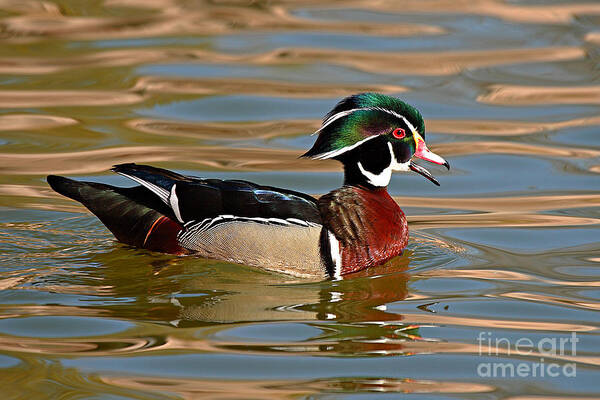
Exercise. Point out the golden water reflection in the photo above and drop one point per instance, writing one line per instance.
(276, 389)
(511, 94)
(62, 98)
(222, 86)
(415, 63)
(179, 19)
(240, 159)
(86, 85)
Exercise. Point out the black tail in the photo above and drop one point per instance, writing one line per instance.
(129, 213)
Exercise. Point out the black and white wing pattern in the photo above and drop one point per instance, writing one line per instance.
(238, 221)
(204, 203)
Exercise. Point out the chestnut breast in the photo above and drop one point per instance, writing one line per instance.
(368, 223)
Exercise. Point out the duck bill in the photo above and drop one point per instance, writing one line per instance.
(424, 153)
(422, 171)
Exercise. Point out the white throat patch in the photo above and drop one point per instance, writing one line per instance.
(383, 178)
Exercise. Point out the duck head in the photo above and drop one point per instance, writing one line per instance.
(373, 135)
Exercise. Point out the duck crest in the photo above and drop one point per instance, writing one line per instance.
(376, 100)
(361, 118)
(369, 225)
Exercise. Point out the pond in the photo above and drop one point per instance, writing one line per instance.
(497, 295)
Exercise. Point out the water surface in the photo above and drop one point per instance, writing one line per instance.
(508, 248)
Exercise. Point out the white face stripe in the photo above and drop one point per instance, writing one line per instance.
(335, 117)
(336, 256)
(406, 121)
(348, 112)
(335, 153)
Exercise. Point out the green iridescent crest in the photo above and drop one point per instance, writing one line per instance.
(359, 118)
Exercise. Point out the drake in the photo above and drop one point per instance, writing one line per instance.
(349, 229)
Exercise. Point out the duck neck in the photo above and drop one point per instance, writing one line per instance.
(356, 175)
(368, 166)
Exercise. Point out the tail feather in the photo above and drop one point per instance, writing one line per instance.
(131, 221)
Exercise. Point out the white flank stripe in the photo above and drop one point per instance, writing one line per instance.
(297, 221)
(279, 221)
(193, 227)
(157, 190)
(200, 224)
(175, 203)
(336, 257)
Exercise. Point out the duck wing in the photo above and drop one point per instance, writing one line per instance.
(192, 199)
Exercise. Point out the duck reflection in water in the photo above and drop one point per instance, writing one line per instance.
(351, 314)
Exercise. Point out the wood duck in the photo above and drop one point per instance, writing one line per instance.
(349, 229)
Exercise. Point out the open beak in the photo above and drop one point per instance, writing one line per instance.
(424, 153)
(420, 170)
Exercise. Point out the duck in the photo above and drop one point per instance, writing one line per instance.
(347, 230)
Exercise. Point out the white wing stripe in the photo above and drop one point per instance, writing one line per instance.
(157, 190)
(174, 201)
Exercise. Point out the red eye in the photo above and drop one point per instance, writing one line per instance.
(399, 133)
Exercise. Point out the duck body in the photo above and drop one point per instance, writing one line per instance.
(349, 229)
(242, 222)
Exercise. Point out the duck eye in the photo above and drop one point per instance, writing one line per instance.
(399, 133)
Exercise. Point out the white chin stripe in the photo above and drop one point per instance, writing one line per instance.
(401, 167)
(336, 257)
(383, 178)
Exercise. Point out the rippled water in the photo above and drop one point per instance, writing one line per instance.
(508, 248)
